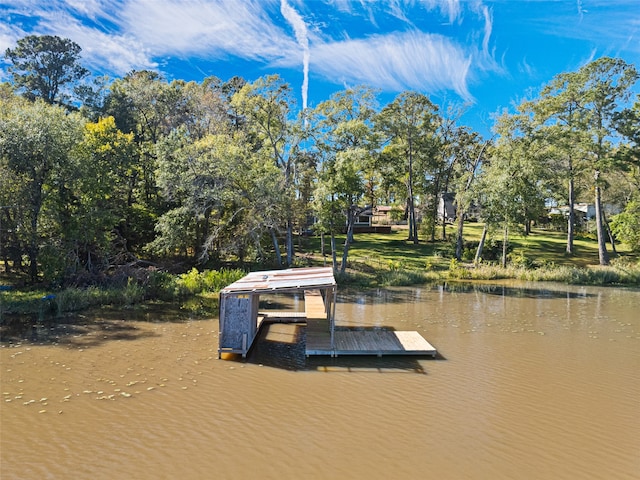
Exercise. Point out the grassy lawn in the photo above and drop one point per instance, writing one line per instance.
(388, 250)
(385, 251)
(546, 247)
(389, 259)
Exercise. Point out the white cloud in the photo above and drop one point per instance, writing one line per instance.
(525, 68)
(300, 29)
(449, 8)
(92, 9)
(103, 52)
(608, 25)
(118, 36)
(412, 60)
(207, 29)
(8, 37)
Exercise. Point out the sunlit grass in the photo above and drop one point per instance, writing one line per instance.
(390, 259)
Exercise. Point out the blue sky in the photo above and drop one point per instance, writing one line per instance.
(484, 55)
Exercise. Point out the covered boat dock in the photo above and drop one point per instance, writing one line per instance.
(241, 319)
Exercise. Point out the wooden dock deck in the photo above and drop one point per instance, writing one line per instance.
(354, 341)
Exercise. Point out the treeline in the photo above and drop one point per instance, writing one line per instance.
(97, 175)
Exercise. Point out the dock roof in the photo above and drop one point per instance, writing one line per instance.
(290, 279)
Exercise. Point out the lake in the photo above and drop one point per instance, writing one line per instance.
(531, 381)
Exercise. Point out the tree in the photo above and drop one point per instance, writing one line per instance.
(142, 104)
(265, 106)
(626, 225)
(225, 198)
(43, 65)
(628, 125)
(408, 124)
(604, 84)
(511, 180)
(441, 171)
(343, 130)
(562, 123)
(100, 171)
(36, 140)
(469, 151)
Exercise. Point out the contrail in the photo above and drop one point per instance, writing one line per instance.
(300, 29)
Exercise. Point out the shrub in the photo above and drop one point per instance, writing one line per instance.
(194, 282)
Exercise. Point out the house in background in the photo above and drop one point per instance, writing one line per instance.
(382, 215)
(368, 221)
(447, 207)
(584, 212)
(365, 219)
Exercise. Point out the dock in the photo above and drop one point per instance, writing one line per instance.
(240, 319)
(378, 341)
(321, 339)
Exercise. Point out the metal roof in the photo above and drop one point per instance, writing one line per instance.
(290, 279)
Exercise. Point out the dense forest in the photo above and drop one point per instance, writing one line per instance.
(97, 173)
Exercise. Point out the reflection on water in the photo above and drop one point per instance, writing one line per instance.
(531, 383)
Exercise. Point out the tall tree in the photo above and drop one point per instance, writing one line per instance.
(266, 106)
(605, 84)
(345, 138)
(469, 152)
(144, 104)
(626, 225)
(512, 177)
(225, 198)
(408, 123)
(562, 118)
(98, 182)
(36, 140)
(442, 167)
(43, 65)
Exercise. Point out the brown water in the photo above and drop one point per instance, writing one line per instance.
(530, 384)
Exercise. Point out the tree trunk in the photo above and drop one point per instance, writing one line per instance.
(5, 257)
(504, 245)
(410, 218)
(347, 240)
(572, 218)
(324, 257)
(481, 245)
(603, 255)
(276, 247)
(334, 255)
(459, 239)
(416, 240)
(610, 234)
(32, 248)
(290, 249)
(413, 226)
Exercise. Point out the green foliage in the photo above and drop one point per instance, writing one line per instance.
(408, 126)
(36, 141)
(157, 285)
(626, 225)
(195, 282)
(343, 129)
(165, 286)
(77, 299)
(519, 259)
